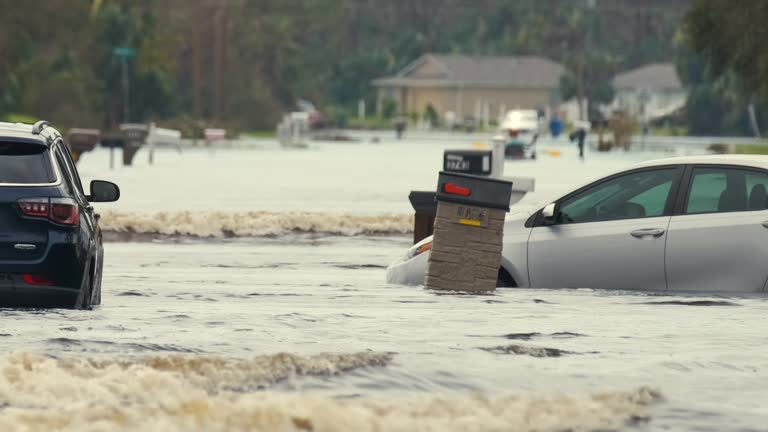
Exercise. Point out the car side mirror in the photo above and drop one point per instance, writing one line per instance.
(103, 191)
(548, 213)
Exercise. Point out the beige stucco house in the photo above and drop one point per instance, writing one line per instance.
(649, 92)
(473, 86)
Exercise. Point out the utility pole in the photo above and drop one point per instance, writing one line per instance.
(585, 75)
(218, 57)
(126, 90)
(214, 17)
(197, 60)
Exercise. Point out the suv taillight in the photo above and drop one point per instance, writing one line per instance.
(63, 211)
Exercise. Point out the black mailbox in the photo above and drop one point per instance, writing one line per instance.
(425, 205)
(423, 202)
(477, 162)
(474, 190)
(113, 141)
(135, 137)
(135, 132)
(81, 141)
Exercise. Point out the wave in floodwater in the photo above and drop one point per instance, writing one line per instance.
(179, 393)
(207, 224)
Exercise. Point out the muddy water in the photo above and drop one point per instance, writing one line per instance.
(274, 330)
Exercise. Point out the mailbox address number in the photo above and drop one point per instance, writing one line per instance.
(473, 216)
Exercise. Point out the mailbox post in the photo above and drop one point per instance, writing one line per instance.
(469, 229)
(135, 137)
(112, 141)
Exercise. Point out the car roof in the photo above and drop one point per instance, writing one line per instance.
(15, 127)
(758, 161)
(22, 132)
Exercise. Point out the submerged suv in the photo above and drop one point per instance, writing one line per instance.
(50, 241)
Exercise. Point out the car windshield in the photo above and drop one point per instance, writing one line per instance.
(23, 163)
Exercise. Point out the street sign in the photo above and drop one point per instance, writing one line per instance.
(124, 51)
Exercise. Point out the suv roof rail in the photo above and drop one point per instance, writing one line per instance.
(39, 126)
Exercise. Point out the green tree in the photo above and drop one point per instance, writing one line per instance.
(730, 37)
(723, 68)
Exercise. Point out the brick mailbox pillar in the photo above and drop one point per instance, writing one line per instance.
(469, 230)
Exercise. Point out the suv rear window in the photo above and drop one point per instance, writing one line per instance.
(23, 163)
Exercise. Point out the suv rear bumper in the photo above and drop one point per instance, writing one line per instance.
(36, 296)
(63, 262)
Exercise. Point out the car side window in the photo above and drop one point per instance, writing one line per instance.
(631, 196)
(757, 187)
(66, 171)
(725, 190)
(67, 156)
(653, 200)
(62, 168)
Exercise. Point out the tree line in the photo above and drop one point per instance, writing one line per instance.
(242, 63)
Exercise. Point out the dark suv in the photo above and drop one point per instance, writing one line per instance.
(50, 241)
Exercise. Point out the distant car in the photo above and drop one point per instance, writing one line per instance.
(693, 224)
(522, 120)
(521, 129)
(50, 243)
(520, 145)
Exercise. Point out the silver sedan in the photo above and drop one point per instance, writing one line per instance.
(693, 224)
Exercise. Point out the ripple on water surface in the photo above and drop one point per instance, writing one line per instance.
(178, 393)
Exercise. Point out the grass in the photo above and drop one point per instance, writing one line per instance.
(371, 123)
(260, 134)
(19, 118)
(669, 131)
(756, 149)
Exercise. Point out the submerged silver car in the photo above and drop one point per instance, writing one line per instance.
(692, 224)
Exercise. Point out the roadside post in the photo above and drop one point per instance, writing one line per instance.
(81, 141)
(498, 144)
(112, 141)
(135, 137)
(469, 231)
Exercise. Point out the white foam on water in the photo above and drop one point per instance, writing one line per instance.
(252, 224)
(39, 393)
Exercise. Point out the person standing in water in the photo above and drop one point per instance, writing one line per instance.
(580, 135)
(399, 126)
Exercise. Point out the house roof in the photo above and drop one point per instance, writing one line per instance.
(655, 75)
(490, 71)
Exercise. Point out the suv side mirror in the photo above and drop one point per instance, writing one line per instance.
(103, 191)
(548, 213)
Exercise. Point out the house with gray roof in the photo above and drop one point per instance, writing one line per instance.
(473, 86)
(649, 92)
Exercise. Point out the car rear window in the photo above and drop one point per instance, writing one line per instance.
(24, 163)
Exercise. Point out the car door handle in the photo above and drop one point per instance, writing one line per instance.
(765, 224)
(648, 232)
